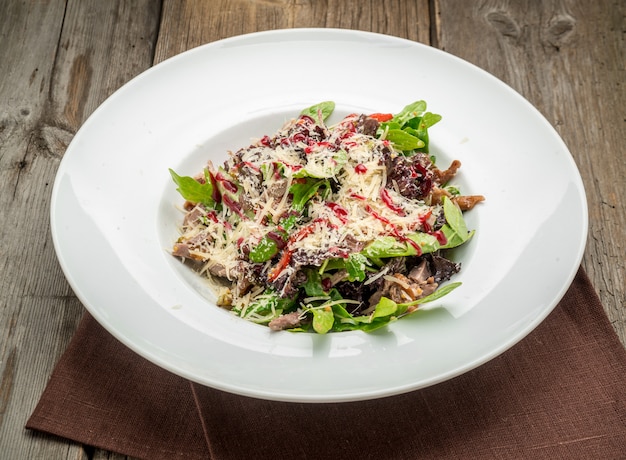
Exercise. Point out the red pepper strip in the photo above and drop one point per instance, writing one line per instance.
(280, 266)
(286, 255)
(381, 117)
(304, 231)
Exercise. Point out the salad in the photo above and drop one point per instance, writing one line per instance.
(327, 228)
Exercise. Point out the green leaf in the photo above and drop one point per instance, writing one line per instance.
(355, 266)
(412, 110)
(341, 313)
(378, 323)
(455, 228)
(408, 129)
(313, 285)
(385, 307)
(332, 264)
(404, 141)
(438, 294)
(194, 191)
(452, 190)
(264, 251)
(388, 246)
(325, 109)
(323, 167)
(266, 307)
(302, 192)
(429, 119)
(289, 222)
(323, 319)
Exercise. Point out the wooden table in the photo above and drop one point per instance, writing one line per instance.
(60, 59)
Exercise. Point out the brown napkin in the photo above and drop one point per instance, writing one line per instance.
(560, 393)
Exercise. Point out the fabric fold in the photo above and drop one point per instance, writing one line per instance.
(559, 393)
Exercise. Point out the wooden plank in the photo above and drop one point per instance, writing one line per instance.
(187, 24)
(29, 36)
(59, 62)
(542, 50)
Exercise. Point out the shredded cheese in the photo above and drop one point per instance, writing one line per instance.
(357, 209)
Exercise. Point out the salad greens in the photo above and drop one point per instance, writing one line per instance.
(193, 190)
(248, 222)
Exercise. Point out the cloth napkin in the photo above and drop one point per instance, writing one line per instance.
(558, 394)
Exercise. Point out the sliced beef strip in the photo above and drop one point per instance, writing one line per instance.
(286, 321)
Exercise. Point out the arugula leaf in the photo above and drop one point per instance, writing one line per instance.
(385, 312)
(288, 222)
(438, 294)
(192, 190)
(355, 266)
(418, 127)
(415, 109)
(408, 129)
(455, 228)
(325, 108)
(332, 264)
(266, 307)
(313, 285)
(303, 191)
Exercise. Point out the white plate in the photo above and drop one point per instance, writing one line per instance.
(114, 212)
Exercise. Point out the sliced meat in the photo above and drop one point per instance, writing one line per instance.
(402, 289)
(277, 189)
(193, 217)
(443, 177)
(216, 269)
(287, 321)
(181, 250)
(420, 273)
(467, 202)
(437, 194)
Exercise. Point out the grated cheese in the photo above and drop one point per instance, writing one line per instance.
(364, 206)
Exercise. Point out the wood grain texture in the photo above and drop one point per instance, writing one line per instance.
(58, 62)
(187, 24)
(60, 59)
(567, 58)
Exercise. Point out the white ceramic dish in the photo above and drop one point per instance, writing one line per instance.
(114, 212)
